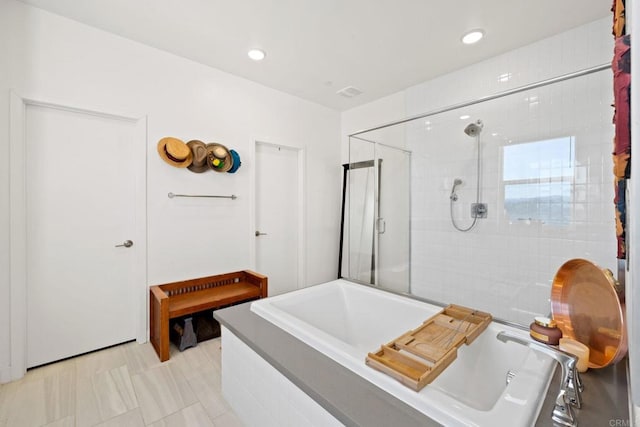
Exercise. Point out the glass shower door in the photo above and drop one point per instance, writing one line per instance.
(392, 226)
(377, 211)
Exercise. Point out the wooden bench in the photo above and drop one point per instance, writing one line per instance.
(191, 296)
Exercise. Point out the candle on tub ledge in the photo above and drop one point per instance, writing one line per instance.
(579, 350)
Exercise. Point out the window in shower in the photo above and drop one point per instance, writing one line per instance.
(538, 180)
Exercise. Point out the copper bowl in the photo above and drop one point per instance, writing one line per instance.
(586, 307)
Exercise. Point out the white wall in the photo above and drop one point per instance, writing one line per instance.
(49, 58)
(384, 110)
(4, 192)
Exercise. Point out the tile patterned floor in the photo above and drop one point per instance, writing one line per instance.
(122, 386)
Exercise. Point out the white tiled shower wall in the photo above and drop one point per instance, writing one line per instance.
(506, 266)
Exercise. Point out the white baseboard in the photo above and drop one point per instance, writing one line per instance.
(5, 374)
(8, 374)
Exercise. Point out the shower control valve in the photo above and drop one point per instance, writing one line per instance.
(479, 210)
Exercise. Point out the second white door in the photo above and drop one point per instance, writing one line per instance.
(277, 216)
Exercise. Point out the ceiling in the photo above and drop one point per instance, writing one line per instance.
(317, 47)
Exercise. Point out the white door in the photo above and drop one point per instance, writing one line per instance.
(80, 204)
(278, 216)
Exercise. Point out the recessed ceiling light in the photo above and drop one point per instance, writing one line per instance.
(472, 36)
(349, 92)
(256, 54)
(505, 77)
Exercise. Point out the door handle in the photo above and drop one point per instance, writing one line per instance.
(126, 244)
(260, 234)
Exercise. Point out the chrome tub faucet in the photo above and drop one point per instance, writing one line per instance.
(570, 385)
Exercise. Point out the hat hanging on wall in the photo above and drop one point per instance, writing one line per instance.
(175, 152)
(199, 152)
(218, 157)
(236, 161)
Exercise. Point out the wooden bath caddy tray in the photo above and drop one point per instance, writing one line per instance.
(417, 357)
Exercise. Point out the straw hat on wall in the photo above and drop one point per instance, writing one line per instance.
(175, 152)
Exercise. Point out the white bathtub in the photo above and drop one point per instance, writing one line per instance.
(345, 321)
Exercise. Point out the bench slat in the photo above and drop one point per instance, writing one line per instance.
(192, 302)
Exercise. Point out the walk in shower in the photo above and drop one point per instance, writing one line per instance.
(480, 203)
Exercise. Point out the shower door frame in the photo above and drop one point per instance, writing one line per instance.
(376, 182)
(542, 83)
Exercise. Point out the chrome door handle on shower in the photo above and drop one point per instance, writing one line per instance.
(260, 234)
(381, 225)
(126, 244)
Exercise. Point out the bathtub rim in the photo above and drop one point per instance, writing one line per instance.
(427, 300)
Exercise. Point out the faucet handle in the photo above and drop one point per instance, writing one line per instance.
(573, 387)
(579, 382)
(562, 413)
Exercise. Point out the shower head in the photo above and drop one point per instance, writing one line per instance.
(474, 129)
(453, 196)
